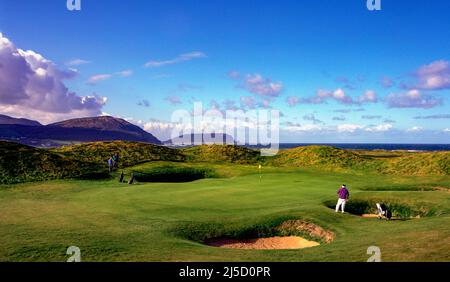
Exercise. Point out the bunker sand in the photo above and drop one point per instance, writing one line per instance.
(272, 243)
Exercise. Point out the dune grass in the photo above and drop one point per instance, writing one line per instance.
(112, 221)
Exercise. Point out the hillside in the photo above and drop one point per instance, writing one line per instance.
(20, 163)
(426, 163)
(320, 156)
(131, 153)
(385, 162)
(222, 153)
(19, 121)
(77, 130)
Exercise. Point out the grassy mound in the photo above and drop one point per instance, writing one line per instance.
(324, 157)
(399, 209)
(20, 163)
(171, 174)
(429, 163)
(131, 153)
(222, 153)
(394, 163)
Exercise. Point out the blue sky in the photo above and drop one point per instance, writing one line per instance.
(337, 72)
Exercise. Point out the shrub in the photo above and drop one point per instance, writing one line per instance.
(171, 174)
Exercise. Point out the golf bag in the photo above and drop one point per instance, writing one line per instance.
(383, 211)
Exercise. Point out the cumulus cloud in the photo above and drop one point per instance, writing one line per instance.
(368, 97)
(179, 59)
(339, 95)
(379, 128)
(292, 101)
(265, 89)
(32, 86)
(323, 95)
(163, 130)
(413, 99)
(256, 84)
(434, 76)
(415, 129)
(349, 127)
(346, 128)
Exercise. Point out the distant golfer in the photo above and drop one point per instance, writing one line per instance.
(110, 164)
(115, 159)
(343, 194)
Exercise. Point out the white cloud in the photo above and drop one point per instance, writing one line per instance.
(368, 97)
(295, 127)
(32, 86)
(380, 128)
(256, 84)
(179, 59)
(98, 77)
(125, 73)
(349, 127)
(413, 99)
(434, 76)
(77, 62)
(105, 76)
(415, 129)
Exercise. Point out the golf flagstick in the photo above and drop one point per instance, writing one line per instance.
(260, 175)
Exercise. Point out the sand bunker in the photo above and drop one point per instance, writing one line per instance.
(272, 243)
(368, 215)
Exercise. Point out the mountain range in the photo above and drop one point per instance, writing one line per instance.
(103, 128)
(18, 121)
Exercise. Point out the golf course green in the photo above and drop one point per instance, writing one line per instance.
(112, 221)
(182, 202)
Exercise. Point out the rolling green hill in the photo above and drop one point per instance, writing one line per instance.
(20, 163)
(222, 153)
(385, 162)
(131, 153)
(324, 157)
(428, 163)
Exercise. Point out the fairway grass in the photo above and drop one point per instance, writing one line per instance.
(112, 221)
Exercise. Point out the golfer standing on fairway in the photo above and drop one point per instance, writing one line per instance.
(343, 197)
